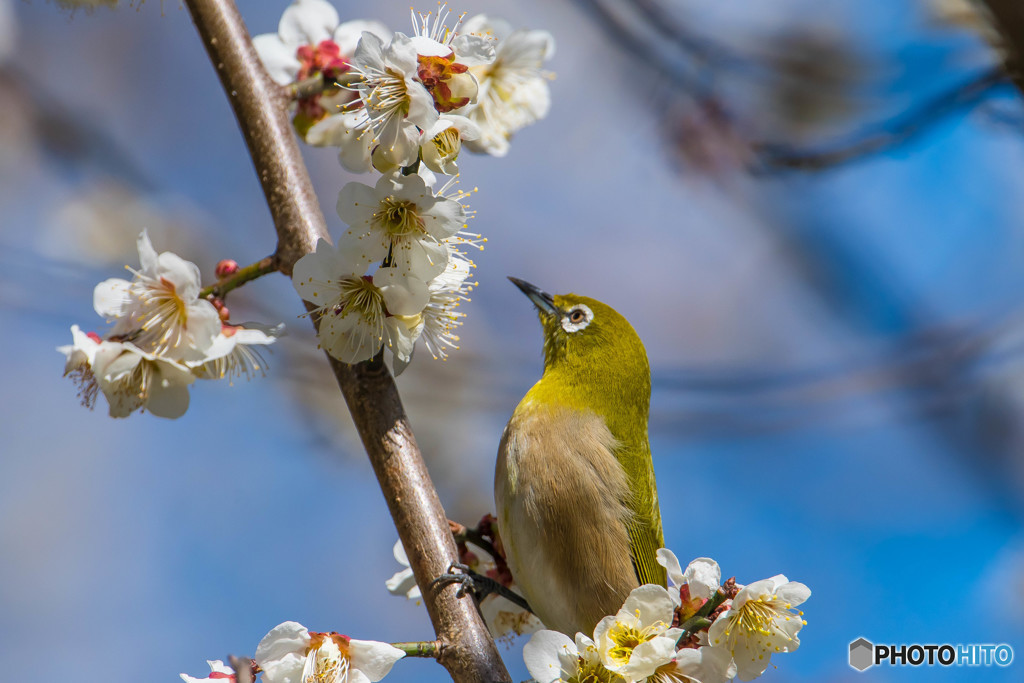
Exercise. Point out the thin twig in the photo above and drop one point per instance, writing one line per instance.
(243, 667)
(886, 136)
(427, 648)
(248, 273)
(468, 652)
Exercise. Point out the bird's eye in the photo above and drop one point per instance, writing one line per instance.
(577, 318)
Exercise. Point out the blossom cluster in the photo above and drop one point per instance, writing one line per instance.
(403, 107)
(163, 337)
(697, 630)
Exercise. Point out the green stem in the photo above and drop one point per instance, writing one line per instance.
(240, 277)
(694, 624)
(314, 85)
(712, 604)
(426, 648)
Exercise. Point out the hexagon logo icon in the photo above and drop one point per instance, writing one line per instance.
(862, 654)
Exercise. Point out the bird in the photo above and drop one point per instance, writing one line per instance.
(575, 495)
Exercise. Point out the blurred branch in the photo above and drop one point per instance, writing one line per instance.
(889, 135)
(467, 650)
(243, 667)
(634, 43)
(68, 138)
(700, 47)
(643, 27)
(1008, 17)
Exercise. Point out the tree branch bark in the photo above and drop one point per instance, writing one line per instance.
(466, 648)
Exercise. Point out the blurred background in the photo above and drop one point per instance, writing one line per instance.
(810, 211)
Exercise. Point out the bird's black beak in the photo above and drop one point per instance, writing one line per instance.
(541, 299)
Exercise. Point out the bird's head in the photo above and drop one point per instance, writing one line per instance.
(590, 350)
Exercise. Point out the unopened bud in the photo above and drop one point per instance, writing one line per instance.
(224, 313)
(226, 267)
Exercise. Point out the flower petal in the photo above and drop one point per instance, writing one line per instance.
(278, 59)
(402, 294)
(703, 576)
(168, 394)
(541, 655)
(147, 254)
(347, 35)
(651, 603)
(282, 653)
(111, 298)
(372, 658)
(793, 593)
(307, 22)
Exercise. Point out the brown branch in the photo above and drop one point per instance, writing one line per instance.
(466, 648)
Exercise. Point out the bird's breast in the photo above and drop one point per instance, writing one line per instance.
(560, 492)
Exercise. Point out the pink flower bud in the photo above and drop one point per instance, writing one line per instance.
(226, 267)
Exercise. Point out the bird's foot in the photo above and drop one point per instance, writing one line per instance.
(479, 585)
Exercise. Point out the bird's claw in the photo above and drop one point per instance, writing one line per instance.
(465, 579)
(479, 585)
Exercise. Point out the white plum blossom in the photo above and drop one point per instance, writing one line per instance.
(440, 319)
(163, 337)
(159, 310)
(402, 220)
(703, 664)
(79, 356)
(310, 40)
(218, 672)
(761, 621)
(406, 84)
(403, 582)
(552, 657)
(702, 577)
(310, 37)
(513, 88)
(395, 102)
(132, 379)
(234, 352)
(292, 654)
(640, 637)
(358, 313)
(441, 143)
(304, 23)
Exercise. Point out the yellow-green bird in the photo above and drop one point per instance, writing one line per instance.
(574, 484)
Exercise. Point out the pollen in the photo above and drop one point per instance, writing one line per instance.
(398, 218)
(447, 143)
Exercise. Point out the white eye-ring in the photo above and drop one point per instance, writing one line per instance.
(578, 317)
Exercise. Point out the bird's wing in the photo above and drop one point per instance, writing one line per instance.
(645, 534)
(644, 541)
